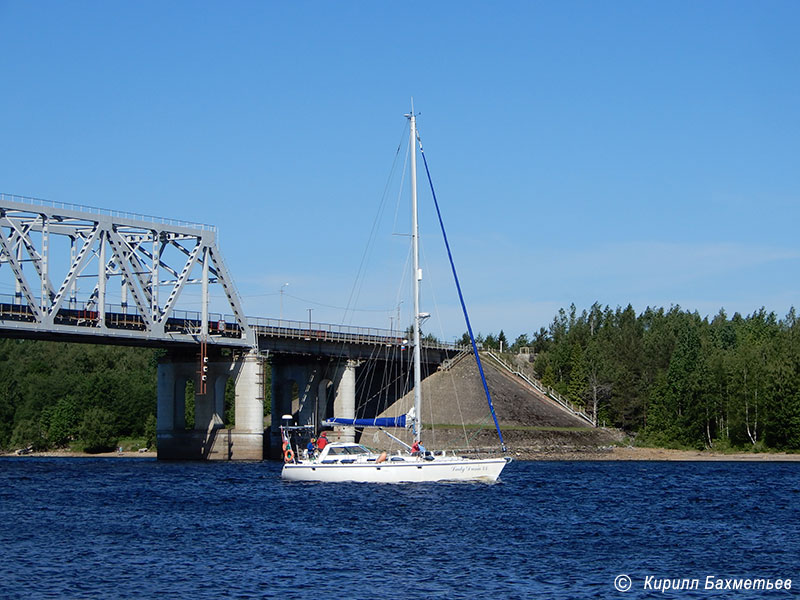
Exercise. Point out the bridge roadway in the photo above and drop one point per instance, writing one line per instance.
(78, 323)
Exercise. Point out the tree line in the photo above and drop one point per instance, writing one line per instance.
(674, 378)
(86, 397)
(56, 395)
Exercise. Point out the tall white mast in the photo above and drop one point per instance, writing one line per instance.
(417, 277)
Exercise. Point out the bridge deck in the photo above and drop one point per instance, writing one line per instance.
(124, 325)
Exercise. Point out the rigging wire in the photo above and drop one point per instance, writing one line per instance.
(461, 296)
(355, 291)
(359, 280)
(452, 378)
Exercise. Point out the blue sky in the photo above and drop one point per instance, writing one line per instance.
(620, 152)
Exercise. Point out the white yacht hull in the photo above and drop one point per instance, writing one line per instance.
(407, 471)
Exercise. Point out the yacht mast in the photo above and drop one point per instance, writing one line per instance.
(417, 277)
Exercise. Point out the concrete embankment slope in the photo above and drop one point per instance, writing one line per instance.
(456, 416)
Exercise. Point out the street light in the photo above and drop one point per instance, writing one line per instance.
(283, 286)
(308, 335)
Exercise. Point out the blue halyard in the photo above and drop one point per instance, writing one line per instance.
(461, 298)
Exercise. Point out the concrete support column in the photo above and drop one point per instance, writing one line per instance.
(303, 375)
(209, 409)
(248, 435)
(179, 402)
(174, 442)
(171, 414)
(322, 400)
(250, 394)
(219, 396)
(344, 403)
(165, 419)
(204, 408)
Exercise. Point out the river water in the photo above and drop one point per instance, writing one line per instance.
(139, 528)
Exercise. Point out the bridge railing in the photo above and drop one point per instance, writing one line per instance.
(324, 331)
(104, 211)
(329, 332)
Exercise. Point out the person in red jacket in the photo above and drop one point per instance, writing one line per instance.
(322, 441)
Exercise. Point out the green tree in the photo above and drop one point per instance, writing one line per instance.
(502, 341)
(548, 377)
(63, 421)
(490, 342)
(150, 431)
(541, 341)
(782, 423)
(683, 380)
(98, 430)
(522, 341)
(189, 404)
(28, 433)
(9, 400)
(578, 378)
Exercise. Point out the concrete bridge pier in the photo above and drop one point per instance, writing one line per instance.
(209, 439)
(299, 388)
(247, 441)
(311, 390)
(344, 402)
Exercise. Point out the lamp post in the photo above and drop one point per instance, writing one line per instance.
(283, 286)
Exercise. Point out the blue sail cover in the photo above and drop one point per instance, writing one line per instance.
(378, 422)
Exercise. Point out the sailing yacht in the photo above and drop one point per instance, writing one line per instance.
(348, 461)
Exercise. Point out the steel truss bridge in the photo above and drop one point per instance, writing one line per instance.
(77, 273)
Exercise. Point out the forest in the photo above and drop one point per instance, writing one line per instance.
(88, 397)
(672, 378)
(668, 377)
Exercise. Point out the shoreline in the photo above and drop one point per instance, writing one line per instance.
(630, 453)
(612, 453)
(71, 454)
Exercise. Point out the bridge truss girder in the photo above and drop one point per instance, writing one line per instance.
(65, 262)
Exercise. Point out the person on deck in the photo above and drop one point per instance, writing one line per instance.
(322, 441)
(312, 447)
(415, 448)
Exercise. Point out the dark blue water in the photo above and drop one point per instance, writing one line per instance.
(119, 528)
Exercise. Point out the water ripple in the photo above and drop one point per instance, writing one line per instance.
(138, 528)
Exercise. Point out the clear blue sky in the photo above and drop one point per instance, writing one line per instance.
(642, 152)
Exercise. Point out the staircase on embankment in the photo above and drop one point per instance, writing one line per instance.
(545, 391)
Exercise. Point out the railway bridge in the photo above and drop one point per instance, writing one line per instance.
(89, 275)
